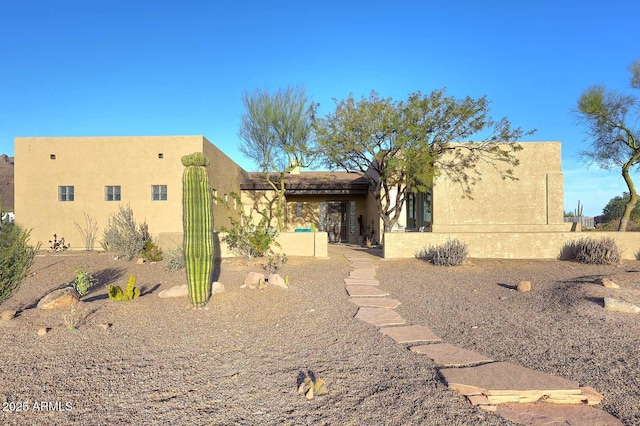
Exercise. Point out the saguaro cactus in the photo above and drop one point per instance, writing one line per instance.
(197, 227)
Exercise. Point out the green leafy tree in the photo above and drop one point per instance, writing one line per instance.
(400, 146)
(611, 120)
(276, 130)
(614, 210)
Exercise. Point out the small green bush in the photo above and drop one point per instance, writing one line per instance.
(600, 252)
(123, 236)
(175, 259)
(245, 237)
(83, 281)
(16, 257)
(452, 253)
(151, 252)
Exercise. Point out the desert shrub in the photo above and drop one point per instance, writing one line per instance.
(123, 236)
(175, 258)
(151, 252)
(451, 253)
(275, 262)
(16, 257)
(245, 237)
(87, 232)
(83, 281)
(602, 252)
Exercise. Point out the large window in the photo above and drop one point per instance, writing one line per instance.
(159, 192)
(65, 193)
(418, 208)
(112, 193)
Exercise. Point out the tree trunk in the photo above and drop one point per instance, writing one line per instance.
(633, 196)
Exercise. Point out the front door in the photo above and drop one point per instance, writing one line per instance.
(337, 221)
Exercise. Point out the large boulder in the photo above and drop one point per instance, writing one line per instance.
(216, 288)
(276, 280)
(60, 298)
(611, 304)
(175, 291)
(252, 280)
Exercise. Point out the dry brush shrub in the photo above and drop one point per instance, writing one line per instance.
(600, 252)
(452, 253)
(175, 258)
(123, 236)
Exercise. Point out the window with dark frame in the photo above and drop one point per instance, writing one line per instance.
(65, 193)
(112, 193)
(159, 192)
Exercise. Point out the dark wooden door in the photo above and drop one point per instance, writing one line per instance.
(337, 221)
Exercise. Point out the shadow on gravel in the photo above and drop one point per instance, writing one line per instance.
(42, 269)
(144, 291)
(586, 279)
(597, 300)
(96, 298)
(106, 277)
(507, 286)
(567, 252)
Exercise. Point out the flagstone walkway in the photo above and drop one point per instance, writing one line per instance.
(514, 392)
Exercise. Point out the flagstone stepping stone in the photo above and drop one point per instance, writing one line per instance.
(411, 333)
(360, 281)
(448, 355)
(547, 414)
(503, 382)
(365, 291)
(379, 316)
(376, 302)
(363, 273)
(363, 265)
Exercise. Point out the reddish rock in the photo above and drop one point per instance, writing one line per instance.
(60, 298)
(277, 281)
(7, 315)
(524, 286)
(252, 280)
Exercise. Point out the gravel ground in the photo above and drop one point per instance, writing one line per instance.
(238, 362)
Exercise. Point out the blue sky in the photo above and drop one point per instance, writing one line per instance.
(82, 68)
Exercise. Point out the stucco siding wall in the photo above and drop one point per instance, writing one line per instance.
(535, 199)
(504, 245)
(90, 163)
(225, 177)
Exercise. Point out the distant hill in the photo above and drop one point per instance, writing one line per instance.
(6, 182)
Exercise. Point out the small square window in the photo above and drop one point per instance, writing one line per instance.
(112, 193)
(159, 192)
(160, 155)
(65, 193)
(52, 156)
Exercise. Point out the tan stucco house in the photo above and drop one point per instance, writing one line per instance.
(60, 179)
